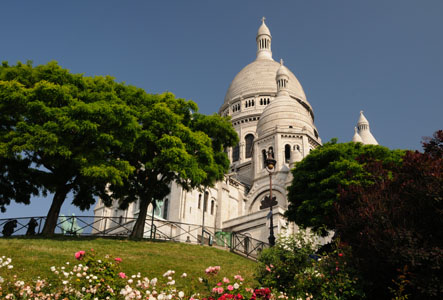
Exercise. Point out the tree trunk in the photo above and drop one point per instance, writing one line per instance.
(54, 211)
(139, 227)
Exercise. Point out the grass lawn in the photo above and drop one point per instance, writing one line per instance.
(33, 257)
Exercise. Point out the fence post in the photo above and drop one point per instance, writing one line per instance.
(39, 225)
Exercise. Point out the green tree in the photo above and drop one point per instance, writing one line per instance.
(68, 129)
(318, 177)
(175, 144)
(393, 224)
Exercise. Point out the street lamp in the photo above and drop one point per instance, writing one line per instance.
(270, 167)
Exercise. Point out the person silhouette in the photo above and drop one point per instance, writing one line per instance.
(8, 228)
(31, 227)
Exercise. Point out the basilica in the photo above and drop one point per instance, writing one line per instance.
(273, 118)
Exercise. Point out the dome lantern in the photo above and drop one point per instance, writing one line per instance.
(282, 79)
(264, 41)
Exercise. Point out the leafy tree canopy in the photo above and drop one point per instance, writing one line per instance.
(318, 177)
(394, 224)
(67, 130)
(176, 144)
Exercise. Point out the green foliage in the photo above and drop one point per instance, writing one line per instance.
(279, 265)
(292, 267)
(317, 178)
(68, 128)
(392, 225)
(175, 144)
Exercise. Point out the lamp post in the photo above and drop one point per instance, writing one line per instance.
(270, 167)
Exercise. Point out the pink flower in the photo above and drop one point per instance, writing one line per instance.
(268, 268)
(271, 265)
(79, 255)
(219, 284)
(238, 277)
(212, 270)
(118, 259)
(225, 280)
(220, 290)
(122, 275)
(230, 287)
(340, 254)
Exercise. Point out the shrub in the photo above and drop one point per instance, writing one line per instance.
(293, 268)
(101, 278)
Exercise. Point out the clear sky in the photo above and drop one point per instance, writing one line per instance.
(383, 57)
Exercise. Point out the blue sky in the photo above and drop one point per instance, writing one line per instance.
(383, 57)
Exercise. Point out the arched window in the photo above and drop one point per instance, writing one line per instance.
(165, 209)
(205, 204)
(212, 206)
(236, 153)
(199, 200)
(249, 140)
(287, 153)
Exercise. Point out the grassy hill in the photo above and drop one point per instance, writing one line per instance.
(33, 257)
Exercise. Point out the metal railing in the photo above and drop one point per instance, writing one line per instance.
(122, 227)
(246, 245)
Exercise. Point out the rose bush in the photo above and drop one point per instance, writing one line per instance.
(293, 267)
(94, 278)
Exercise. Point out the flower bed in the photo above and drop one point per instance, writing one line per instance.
(96, 277)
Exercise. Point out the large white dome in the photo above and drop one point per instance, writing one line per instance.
(258, 78)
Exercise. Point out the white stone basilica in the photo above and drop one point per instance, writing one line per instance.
(270, 112)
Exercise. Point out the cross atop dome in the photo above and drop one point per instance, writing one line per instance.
(263, 20)
(281, 61)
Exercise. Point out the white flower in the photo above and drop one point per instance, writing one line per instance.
(52, 269)
(130, 281)
(94, 277)
(236, 285)
(65, 282)
(1, 279)
(200, 279)
(169, 278)
(10, 266)
(184, 275)
(181, 294)
(79, 275)
(160, 297)
(172, 282)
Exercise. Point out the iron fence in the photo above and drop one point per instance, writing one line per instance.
(158, 229)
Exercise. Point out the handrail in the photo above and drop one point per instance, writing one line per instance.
(161, 230)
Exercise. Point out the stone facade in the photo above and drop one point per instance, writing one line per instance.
(270, 112)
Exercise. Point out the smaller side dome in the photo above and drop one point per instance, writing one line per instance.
(282, 79)
(364, 131)
(282, 70)
(357, 137)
